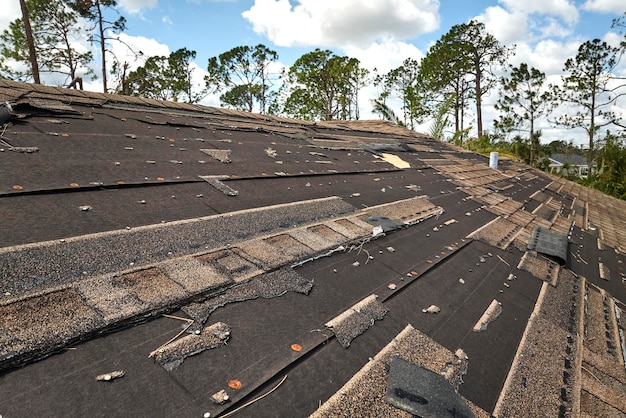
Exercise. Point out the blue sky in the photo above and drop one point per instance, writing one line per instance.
(380, 33)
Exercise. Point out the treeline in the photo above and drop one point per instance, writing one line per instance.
(446, 88)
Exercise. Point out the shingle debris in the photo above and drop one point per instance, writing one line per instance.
(356, 320)
(268, 285)
(173, 354)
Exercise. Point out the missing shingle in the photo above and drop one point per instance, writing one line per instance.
(222, 155)
(268, 285)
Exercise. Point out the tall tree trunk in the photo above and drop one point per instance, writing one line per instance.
(479, 115)
(533, 140)
(31, 43)
(102, 49)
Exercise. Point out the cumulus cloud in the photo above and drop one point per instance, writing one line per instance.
(508, 27)
(385, 55)
(135, 50)
(564, 9)
(605, 6)
(341, 23)
(136, 6)
(10, 12)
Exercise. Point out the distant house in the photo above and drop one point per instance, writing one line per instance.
(569, 164)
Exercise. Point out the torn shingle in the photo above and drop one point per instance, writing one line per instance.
(172, 355)
(356, 320)
(268, 285)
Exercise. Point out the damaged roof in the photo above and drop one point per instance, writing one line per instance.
(169, 259)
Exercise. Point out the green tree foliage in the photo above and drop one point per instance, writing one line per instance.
(522, 101)
(242, 76)
(464, 61)
(403, 82)
(440, 121)
(381, 108)
(94, 11)
(587, 88)
(165, 78)
(611, 161)
(322, 86)
(55, 30)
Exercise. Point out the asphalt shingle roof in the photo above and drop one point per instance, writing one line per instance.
(200, 250)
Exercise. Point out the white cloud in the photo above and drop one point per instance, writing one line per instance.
(385, 55)
(10, 12)
(341, 23)
(136, 6)
(508, 27)
(605, 6)
(564, 9)
(134, 50)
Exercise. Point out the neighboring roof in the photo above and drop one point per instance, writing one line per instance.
(572, 159)
(154, 254)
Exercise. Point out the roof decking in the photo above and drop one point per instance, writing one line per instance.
(201, 249)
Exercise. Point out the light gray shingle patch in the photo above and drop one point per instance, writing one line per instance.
(268, 285)
(521, 217)
(173, 354)
(216, 181)
(277, 250)
(45, 323)
(222, 155)
(335, 144)
(353, 228)
(540, 267)
(319, 237)
(356, 320)
(193, 275)
(601, 331)
(109, 298)
(548, 360)
(408, 211)
(35, 267)
(151, 286)
(364, 394)
(232, 263)
(506, 207)
(499, 233)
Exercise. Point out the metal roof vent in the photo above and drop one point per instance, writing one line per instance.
(549, 243)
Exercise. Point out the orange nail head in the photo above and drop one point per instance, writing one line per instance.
(234, 384)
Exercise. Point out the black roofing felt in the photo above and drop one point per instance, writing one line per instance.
(260, 225)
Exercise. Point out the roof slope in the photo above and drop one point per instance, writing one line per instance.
(212, 250)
